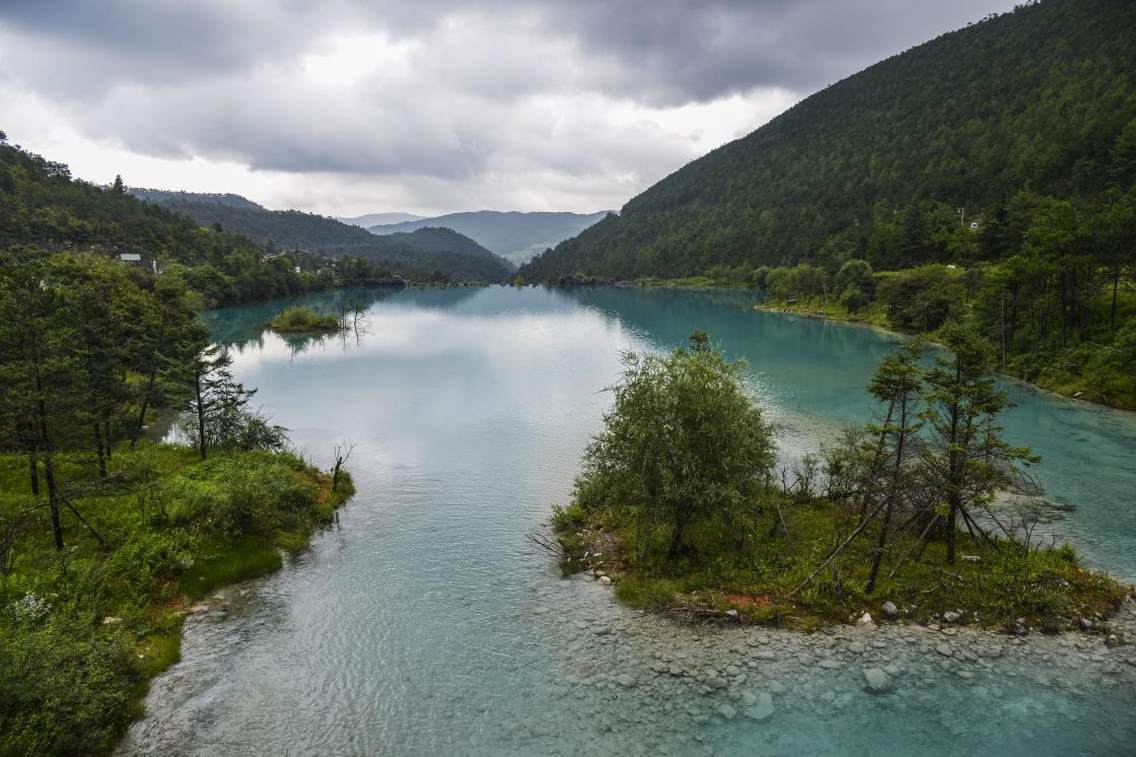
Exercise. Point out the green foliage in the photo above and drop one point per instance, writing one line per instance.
(684, 451)
(83, 631)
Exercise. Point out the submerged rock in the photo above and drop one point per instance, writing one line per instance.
(877, 681)
(762, 710)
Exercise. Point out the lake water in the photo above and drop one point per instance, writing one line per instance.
(425, 624)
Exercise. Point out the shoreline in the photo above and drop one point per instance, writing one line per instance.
(830, 318)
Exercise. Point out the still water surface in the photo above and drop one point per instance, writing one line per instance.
(425, 624)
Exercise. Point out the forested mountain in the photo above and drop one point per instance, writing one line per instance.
(985, 177)
(453, 255)
(514, 236)
(1038, 100)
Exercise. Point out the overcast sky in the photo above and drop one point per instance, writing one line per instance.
(346, 107)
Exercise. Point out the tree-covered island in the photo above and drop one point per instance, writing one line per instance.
(925, 514)
(301, 320)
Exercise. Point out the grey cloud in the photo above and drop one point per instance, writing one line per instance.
(668, 51)
(490, 95)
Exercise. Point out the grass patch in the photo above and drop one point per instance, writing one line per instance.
(85, 630)
(992, 586)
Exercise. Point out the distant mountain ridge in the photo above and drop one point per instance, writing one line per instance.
(442, 250)
(515, 236)
(376, 219)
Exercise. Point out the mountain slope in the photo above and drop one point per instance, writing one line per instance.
(1033, 99)
(515, 236)
(455, 256)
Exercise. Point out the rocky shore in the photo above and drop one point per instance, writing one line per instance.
(698, 683)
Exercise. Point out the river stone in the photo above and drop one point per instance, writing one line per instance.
(726, 711)
(951, 616)
(890, 610)
(715, 682)
(626, 680)
(944, 650)
(762, 710)
(878, 682)
(605, 580)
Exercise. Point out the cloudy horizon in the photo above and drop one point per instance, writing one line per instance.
(431, 107)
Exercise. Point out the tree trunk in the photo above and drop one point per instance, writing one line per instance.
(952, 531)
(107, 438)
(1115, 286)
(137, 432)
(99, 449)
(33, 469)
(897, 469)
(200, 416)
(49, 473)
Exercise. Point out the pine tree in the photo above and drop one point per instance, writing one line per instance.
(966, 461)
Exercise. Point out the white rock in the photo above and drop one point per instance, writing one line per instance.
(605, 580)
(890, 610)
(866, 619)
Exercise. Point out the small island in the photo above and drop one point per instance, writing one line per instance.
(925, 514)
(301, 320)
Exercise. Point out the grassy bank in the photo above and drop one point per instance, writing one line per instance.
(994, 585)
(84, 630)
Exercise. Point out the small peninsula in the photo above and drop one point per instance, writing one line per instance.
(682, 506)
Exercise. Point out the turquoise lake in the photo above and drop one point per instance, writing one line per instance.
(424, 623)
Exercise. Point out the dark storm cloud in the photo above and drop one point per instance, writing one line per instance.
(671, 50)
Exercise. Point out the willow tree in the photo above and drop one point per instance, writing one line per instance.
(684, 450)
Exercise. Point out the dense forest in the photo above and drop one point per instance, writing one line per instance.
(427, 250)
(1003, 155)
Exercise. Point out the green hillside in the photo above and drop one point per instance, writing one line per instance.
(454, 255)
(1033, 100)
